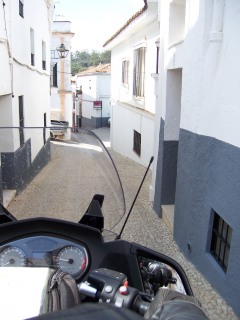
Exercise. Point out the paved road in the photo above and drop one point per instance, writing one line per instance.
(144, 226)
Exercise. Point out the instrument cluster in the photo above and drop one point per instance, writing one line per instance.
(45, 251)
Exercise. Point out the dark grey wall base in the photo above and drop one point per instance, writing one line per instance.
(166, 172)
(94, 123)
(41, 160)
(208, 179)
(158, 184)
(17, 168)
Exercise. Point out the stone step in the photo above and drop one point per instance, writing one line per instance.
(168, 216)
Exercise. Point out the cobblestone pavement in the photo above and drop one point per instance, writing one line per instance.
(146, 228)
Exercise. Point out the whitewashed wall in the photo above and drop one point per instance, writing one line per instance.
(209, 64)
(129, 114)
(29, 81)
(5, 66)
(218, 60)
(95, 87)
(123, 122)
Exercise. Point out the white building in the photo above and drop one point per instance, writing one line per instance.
(25, 33)
(134, 63)
(94, 90)
(25, 53)
(196, 173)
(61, 93)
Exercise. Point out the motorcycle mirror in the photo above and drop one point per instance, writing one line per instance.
(5, 215)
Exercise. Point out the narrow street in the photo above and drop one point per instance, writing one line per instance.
(143, 227)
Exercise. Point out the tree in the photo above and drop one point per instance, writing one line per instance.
(81, 60)
(106, 57)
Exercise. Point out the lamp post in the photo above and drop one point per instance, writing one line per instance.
(62, 51)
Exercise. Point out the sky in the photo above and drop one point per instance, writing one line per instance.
(95, 21)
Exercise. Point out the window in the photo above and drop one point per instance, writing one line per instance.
(138, 71)
(32, 47)
(21, 8)
(43, 55)
(221, 241)
(54, 76)
(21, 120)
(137, 142)
(125, 71)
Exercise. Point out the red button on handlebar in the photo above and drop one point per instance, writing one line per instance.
(124, 289)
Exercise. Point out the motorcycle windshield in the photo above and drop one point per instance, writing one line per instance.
(55, 172)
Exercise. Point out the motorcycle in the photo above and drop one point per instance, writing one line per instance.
(61, 252)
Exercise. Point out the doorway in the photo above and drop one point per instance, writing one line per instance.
(170, 145)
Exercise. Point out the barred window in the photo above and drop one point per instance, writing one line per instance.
(221, 241)
(139, 71)
(137, 142)
(125, 71)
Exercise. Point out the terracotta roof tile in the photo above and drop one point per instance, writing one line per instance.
(101, 68)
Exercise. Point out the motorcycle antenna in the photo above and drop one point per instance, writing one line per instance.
(139, 189)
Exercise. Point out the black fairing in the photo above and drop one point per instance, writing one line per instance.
(119, 255)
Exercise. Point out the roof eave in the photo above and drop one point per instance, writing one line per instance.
(128, 23)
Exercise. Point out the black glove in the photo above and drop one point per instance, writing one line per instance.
(175, 305)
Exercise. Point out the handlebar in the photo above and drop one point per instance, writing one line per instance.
(112, 287)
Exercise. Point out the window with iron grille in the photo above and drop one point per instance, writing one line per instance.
(137, 142)
(221, 241)
(125, 71)
(21, 8)
(139, 71)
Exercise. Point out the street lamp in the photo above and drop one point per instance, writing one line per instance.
(62, 51)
